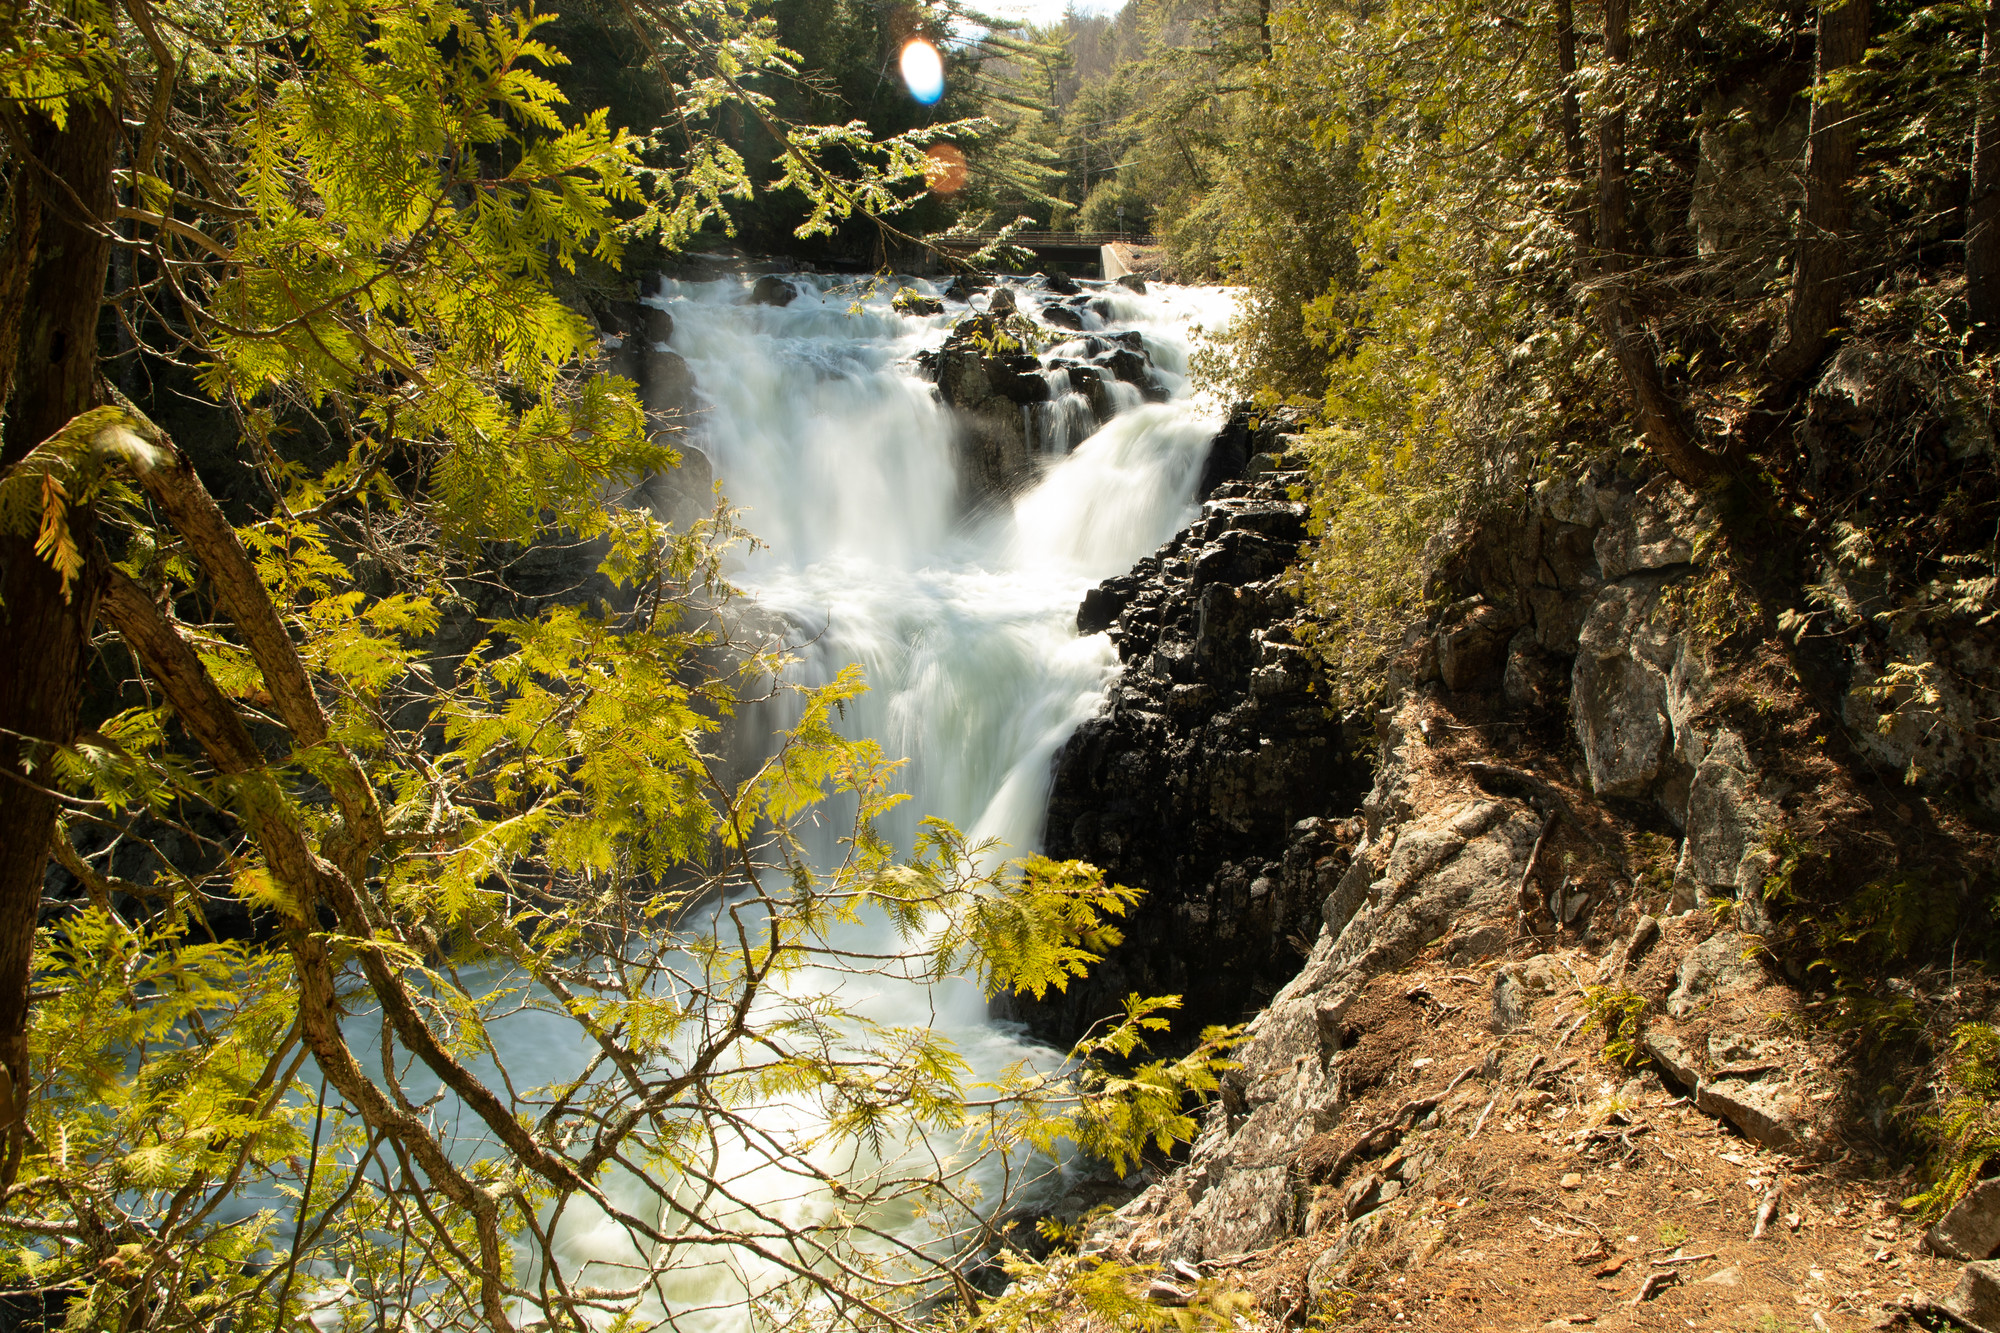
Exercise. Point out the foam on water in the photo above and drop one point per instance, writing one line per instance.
(841, 460)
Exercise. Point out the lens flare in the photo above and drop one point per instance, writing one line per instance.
(923, 70)
(945, 170)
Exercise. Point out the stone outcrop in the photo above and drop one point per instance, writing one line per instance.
(1217, 783)
(1213, 776)
(988, 374)
(635, 336)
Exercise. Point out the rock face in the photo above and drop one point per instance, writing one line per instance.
(996, 385)
(1211, 776)
(1216, 783)
(636, 336)
(1971, 1230)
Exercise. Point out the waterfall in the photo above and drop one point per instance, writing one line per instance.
(841, 461)
(821, 430)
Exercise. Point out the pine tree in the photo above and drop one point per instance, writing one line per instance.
(348, 222)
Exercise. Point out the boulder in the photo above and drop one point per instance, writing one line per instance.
(772, 289)
(1618, 691)
(913, 302)
(1714, 968)
(1001, 302)
(1062, 317)
(1132, 282)
(1061, 284)
(1971, 1230)
(1977, 1299)
(1765, 1110)
(964, 285)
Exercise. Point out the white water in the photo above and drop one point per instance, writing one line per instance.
(841, 460)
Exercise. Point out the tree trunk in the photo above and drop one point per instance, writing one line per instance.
(1982, 220)
(56, 263)
(1570, 118)
(1660, 421)
(1819, 276)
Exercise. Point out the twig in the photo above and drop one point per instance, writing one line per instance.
(1765, 1212)
(1480, 1123)
(1654, 1284)
(1681, 1259)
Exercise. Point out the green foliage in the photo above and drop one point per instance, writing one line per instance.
(1619, 1015)
(1069, 1287)
(1964, 1131)
(356, 219)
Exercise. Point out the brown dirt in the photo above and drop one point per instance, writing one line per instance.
(1581, 1181)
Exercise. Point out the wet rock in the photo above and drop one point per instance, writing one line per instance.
(666, 382)
(771, 289)
(1061, 284)
(1102, 605)
(1062, 317)
(913, 302)
(964, 285)
(1971, 1230)
(1132, 282)
(1210, 748)
(986, 391)
(1001, 302)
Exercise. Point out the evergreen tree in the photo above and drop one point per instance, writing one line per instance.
(348, 222)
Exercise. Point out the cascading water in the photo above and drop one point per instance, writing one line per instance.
(842, 460)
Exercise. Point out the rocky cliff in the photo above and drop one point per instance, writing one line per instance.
(1022, 390)
(1214, 777)
(1545, 1039)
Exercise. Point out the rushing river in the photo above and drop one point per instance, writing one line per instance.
(841, 460)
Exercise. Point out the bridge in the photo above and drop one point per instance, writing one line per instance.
(1073, 247)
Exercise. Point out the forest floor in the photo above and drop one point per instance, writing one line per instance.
(1553, 1207)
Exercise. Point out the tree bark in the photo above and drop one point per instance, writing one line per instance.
(1569, 118)
(1660, 420)
(1982, 220)
(1819, 275)
(56, 263)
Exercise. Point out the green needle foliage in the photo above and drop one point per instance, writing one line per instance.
(445, 823)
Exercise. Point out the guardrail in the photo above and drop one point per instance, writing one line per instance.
(1029, 240)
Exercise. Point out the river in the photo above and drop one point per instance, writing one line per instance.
(841, 458)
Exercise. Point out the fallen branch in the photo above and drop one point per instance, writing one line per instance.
(1765, 1212)
(1654, 1284)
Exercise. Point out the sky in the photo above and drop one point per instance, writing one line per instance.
(1047, 11)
